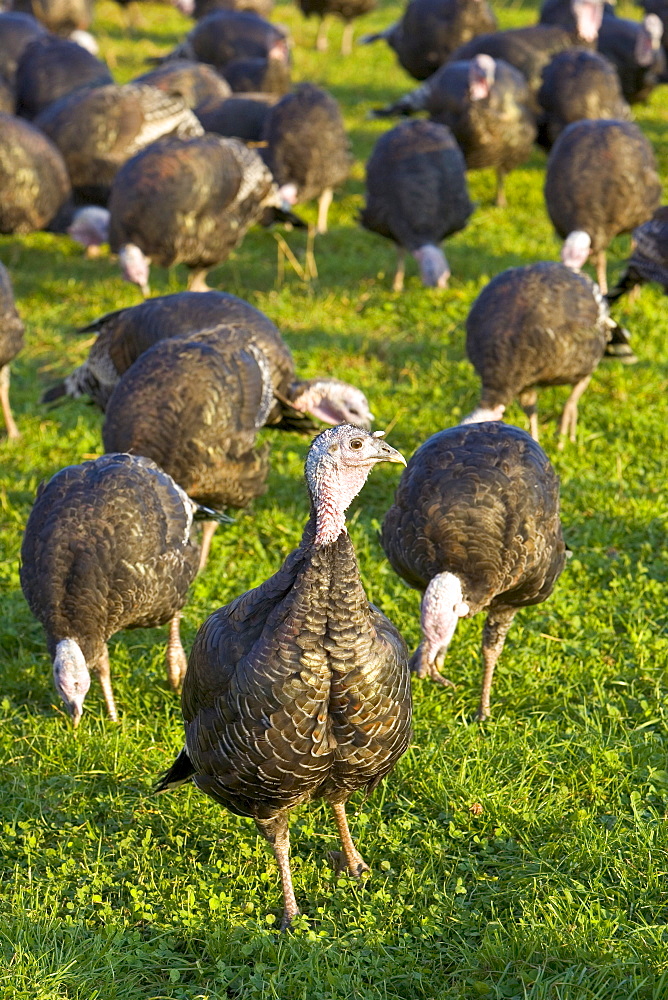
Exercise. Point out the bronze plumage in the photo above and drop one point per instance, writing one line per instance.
(298, 689)
(475, 526)
(107, 547)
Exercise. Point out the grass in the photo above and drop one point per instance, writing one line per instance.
(522, 859)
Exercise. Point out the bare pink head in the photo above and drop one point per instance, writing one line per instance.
(482, 414)
(588, 16)
(576, 249)
(135, 267)
(648, 40)
(90, 226)
(442, 607)
(337, 466)
(482, 72)
(332, 401)
(434, 269)
(71, 677)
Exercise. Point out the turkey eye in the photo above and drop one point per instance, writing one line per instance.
(356, 444)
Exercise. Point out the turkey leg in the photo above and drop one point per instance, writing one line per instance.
(354, 861)
(12, 429)
(493, 637)
(175, 657)
(277, 833)
(569, 418)
(104, 673)
(528, 400)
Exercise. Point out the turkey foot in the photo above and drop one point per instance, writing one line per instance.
(339, 864)
(420, 665)
(349, 859)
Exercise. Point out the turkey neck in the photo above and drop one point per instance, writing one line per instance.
(330, 498)
(332, 569)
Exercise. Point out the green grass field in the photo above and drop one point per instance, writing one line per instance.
(522, 859)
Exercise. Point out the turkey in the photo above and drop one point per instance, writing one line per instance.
(225, 35)
(307, 147)
(241, 116)
(199, 85)
(187, 201)
(262, 8)
(475, 526)
(578, 84)
(561, 12)
(11, 342)
(195, 406)
(124, 335)
(35, 189)
(346, 10)
(51, 68)
(649, 256)
(298, 689)
(430, 30)
(255, 75)
(417, 195)
(62, 17)
(107, 547)
(543, 324)
(487, 105)
(16, 32)
(98, 130)
(636, 53)
(660, 8)
(601, 180)
(530, 49)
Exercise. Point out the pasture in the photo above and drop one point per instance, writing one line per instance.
(524, 858)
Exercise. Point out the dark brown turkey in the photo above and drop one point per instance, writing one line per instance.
(475, 526)
(649, 256)
(199, 85)
(417, 195)
(16, 32)
(307, 148)
(225, 35)
(50, 68)
(11, 342)
(530, 49)
(107, 547)
(660, 8)
(187, 201)
(35, 190)
(98, 130)
(259, 76)
(195, 406)
(241, 116)
(636, 52)
(298, 689)
(543, 324)
(429, 31)
(124, 335)
(486, 104)
(578, 84)
(346, 10)
(602, 180)
(201, 8)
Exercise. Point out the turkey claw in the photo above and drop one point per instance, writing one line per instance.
(340, 865)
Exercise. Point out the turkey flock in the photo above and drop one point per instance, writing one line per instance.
(299, 687)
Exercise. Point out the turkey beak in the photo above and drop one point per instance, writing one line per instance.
(384, 452)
